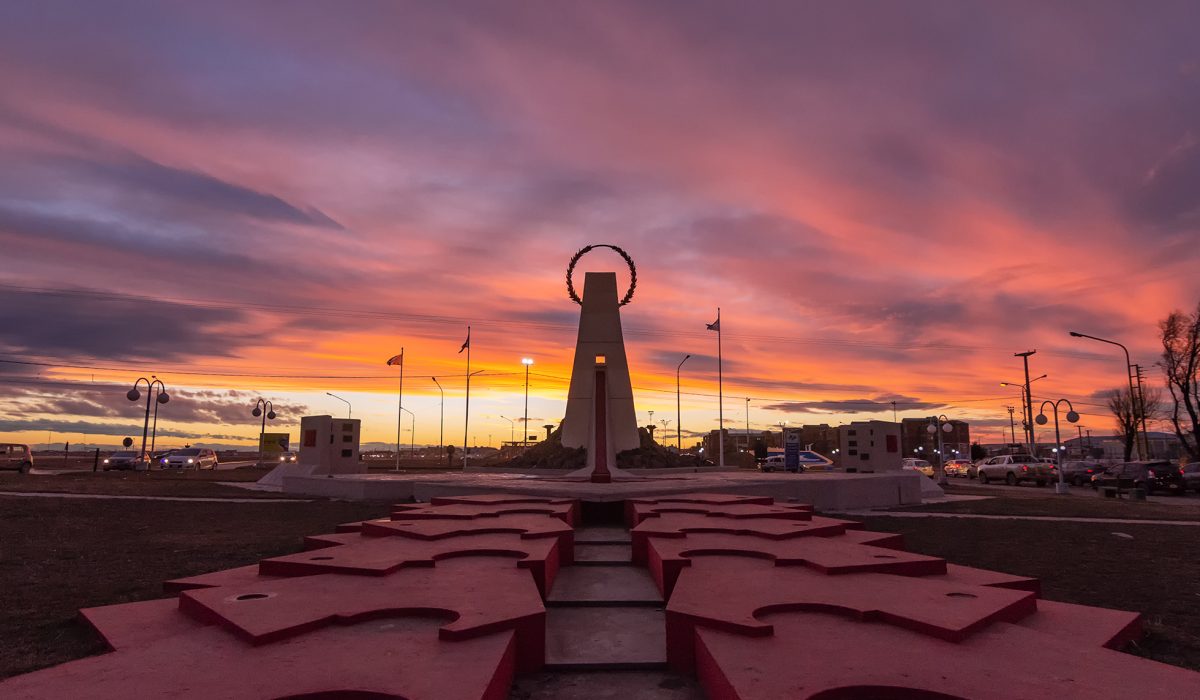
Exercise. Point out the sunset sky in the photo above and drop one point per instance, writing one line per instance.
(887, 200)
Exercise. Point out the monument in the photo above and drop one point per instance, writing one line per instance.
(600, 415)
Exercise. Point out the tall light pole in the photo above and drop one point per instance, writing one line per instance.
(161, 397)
(1028, 400)
(528, 362)
(412, 448)
(747, 423)
(154, 420)
(678, 414)
(349, 408)
(398, 360)
(467, 409)
(1134, 405)
(1026, 406)
(1072, 416)
(512, 431)
(716, 326)
(441, 414)
(937, 426)
(266, 409)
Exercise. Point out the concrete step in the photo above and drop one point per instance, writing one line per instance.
(605, 685)
(601, 534)
(605, 638)
(599, 554)
(604, 585)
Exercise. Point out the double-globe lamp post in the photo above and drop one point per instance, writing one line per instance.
(161, 397)
(1073, 417)
(932, 429)
(266, 409)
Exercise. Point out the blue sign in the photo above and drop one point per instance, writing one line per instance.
(791, 451)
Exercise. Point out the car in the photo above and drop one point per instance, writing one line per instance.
(287, 457)
(15, 456)
(918, 465)
(1150, 475)
(1080, 473)
(1013, 469)
(191, 458)
(1191, 476)
(959, 467)
(126, 459)
(774, 462)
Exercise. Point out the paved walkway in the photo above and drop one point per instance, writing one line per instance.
(1047, 518)
(51, 494)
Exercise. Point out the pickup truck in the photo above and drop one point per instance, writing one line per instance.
(1013, 469)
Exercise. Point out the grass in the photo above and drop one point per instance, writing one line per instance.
(60, 555)
(183, 482)
(1156, 573)
(1081, 503)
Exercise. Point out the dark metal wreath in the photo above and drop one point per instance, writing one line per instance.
(628, 261)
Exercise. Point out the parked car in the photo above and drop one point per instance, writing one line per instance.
(779, 462)
(918, 465)
(192, 458)
(14, 456)
(1013, 469)
(1191, 476)
(126, 459)
(1151, 475)
(959, 467)
(1080, 473)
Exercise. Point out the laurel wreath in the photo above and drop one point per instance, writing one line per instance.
(583, 251)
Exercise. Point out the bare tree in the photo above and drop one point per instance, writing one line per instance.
(1180, 335)
(1128, 418)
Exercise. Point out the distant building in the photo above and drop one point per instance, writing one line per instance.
(870, 446)
(919, 442)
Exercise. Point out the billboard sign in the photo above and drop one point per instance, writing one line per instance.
(275, 443)
(791, 450)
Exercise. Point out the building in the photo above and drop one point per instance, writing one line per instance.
(869, 446)
(919, 442)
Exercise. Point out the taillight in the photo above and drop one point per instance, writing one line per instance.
(1024, 468)
(1150, 473)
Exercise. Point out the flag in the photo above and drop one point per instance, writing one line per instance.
(466, 343)
(397, 360)
(715, 325)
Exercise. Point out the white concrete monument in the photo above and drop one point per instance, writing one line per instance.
(600, 414)
(328, 446)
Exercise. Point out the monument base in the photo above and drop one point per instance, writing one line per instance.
(829, 491)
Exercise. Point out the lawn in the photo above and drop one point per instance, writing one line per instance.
(1080, 503)
(179, 483)
(59, 555)
(1155, 571)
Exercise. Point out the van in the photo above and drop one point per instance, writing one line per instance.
(14, 456)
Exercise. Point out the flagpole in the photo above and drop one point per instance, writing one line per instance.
(400, 409)
(467, 412)
(720, 394)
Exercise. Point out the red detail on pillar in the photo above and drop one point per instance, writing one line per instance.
(600, 473)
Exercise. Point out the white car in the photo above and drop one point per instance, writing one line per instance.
(1013, 469)
(191, 458)
(918, 465)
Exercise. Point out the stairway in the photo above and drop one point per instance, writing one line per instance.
(605, 629)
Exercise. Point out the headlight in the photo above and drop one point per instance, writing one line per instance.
(282, 458)
(190, 461)
(106, 461)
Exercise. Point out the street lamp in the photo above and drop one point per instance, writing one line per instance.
(1026, 409)
(932, 429)
(266, 409)
(512, 431)
(159, 397)
(1135, 406)
(349, 408)
(441, 413)
(678, 415)
(1073, 417)
(528, 362)
(412, 448)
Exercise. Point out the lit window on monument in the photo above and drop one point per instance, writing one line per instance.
(599, 359)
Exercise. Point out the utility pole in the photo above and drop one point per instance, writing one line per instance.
(1028, 402)
(1012, 426)
(894, 413)
(1142, 409)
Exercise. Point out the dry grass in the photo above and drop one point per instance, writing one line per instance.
(59, 555)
